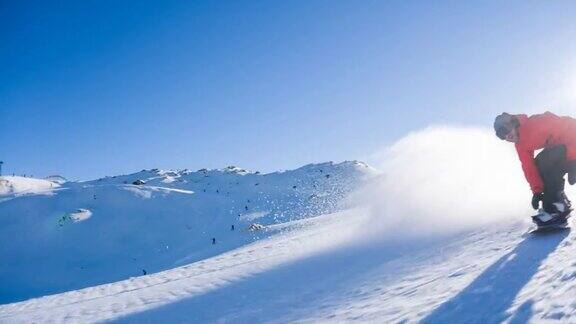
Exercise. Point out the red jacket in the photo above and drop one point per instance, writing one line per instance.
(541, 131)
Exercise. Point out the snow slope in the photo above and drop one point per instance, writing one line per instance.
(314, 274)
(14, 186)
(80, 234)
(433, 240)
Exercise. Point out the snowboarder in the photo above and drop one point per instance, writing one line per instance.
(545, 173)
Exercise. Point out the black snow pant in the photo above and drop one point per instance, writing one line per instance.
(551, 163)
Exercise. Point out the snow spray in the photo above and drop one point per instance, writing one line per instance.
(445, 179)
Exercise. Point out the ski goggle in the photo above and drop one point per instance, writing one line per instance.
(501, 132)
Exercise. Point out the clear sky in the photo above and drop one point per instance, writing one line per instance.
(94, 88)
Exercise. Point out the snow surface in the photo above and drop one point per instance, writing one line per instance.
(431, 240)
(56, 179)
(15, 186)
(102, 231)
(81, 215)
(488, 275)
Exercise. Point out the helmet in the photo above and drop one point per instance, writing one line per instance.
(504, 123)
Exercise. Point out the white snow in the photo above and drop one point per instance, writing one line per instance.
(254, 215)
(56, 179)
(81, 214)
(13, 186)
(317, 274)
(107, 230)
(440, 237)
(148, 191)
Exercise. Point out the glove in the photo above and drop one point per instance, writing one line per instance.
(571, 169)
(536, 199)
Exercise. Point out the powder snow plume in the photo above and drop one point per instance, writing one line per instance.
(444, 179)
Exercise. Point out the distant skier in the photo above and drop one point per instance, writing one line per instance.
(557, 137)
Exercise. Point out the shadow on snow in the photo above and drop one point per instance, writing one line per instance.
(283, 293)
(489, 296)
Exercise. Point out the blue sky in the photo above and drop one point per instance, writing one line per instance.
(94, 88)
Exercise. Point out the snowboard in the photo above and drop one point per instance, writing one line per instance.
(559, 226)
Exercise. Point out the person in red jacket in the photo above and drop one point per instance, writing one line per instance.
(545, 173)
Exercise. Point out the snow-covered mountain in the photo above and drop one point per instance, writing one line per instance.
(313, 274)
(313, 260)
(56, 236)
(13, 186)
